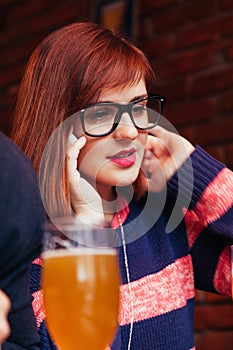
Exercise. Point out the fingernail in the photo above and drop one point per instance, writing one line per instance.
(82, 140)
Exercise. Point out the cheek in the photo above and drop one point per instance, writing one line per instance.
(90, 160)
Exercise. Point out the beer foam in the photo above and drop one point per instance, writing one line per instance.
(77, 252)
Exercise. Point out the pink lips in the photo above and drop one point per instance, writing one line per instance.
(125, 158)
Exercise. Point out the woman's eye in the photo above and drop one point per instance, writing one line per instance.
(138, 109)
(99, 115)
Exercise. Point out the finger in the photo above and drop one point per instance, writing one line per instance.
(155, 146)
(147, 154)
(150, 166)
(72, 156)
(74, 148)
(159, 131)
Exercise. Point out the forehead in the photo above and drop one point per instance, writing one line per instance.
(123, 94)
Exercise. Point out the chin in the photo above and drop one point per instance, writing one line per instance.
(127, 179)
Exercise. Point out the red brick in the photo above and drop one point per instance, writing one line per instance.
(229, 51)
(175, 90)
(225, 5)
(202, 297)
(186, 62)
(16, 53)
(146, 6)
(221, 340)
(215, 80)
(5, 121)
(216, 298)
(187, 132)
(24, 9)
(12, 34)
(7, 2)
(199, 296)
(218, 152)
(226, 102)
(229, 153)
(158, 46)
(171, 17)
(226, 25)
(214, 317)
(187, 112)
(194, 34)
(215, 132)
(49, 22)
(12, 74)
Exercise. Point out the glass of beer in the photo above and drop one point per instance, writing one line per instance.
(80, 282)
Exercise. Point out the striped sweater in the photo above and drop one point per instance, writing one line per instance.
(177, 241)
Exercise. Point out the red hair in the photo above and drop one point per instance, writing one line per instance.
(67, 71)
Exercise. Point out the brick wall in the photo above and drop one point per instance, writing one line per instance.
(190, 45)
(22, 26)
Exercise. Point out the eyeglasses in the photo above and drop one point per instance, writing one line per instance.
(102, 119)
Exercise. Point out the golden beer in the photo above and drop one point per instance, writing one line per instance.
(81, 297)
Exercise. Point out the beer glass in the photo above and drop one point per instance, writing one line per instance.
(80, 282)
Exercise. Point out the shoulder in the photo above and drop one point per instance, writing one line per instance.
(19, 189)
(16, 169)
(11, 156)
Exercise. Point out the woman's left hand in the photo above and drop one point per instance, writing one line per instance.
(165, 153)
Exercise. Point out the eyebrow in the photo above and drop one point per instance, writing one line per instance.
(136, 98)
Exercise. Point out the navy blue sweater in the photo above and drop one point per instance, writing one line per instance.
(177, 241)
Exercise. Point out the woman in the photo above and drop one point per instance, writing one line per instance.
(172, 202)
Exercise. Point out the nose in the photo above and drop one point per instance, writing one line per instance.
(125, 129)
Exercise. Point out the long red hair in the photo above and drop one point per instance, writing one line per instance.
(66, 72)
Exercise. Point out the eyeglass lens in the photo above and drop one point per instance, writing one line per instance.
(99, 119)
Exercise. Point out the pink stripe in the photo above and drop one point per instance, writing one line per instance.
(38, 308)
(155, 294)
(223, 273)
(38, 261)
(215, 201)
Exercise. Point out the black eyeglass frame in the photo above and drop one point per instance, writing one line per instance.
(122, 108)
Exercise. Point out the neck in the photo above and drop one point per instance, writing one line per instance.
(109, 204)
(109, 208)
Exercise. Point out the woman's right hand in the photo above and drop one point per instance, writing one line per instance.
(85, 200)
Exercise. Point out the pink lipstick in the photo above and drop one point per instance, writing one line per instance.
(125, 158)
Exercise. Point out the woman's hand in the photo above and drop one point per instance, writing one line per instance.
(4, 310)
(85, 200)
(165, 153)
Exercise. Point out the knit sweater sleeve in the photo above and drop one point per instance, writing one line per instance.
(46, 342)
(205, 189)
